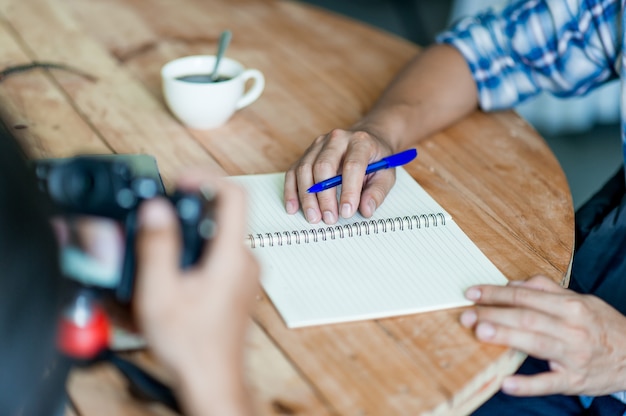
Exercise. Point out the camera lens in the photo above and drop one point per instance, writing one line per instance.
(188, 209)
(79, 186)
(93, 185)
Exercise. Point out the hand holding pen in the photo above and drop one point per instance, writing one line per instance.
(349, 153)
(392, 161)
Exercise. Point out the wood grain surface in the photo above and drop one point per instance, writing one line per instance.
(492, 172)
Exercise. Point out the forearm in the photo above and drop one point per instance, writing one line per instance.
(433, 91)
(215, 392)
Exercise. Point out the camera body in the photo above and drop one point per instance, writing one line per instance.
(110, 187)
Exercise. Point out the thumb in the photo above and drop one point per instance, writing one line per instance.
(157, 246)
(375, 191)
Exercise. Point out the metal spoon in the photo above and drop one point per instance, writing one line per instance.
(223, 44)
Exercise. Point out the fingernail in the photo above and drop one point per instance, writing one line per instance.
(346, 211)
(516, 283)
(311, 215)
(468, 318)
(485, 331)
(329, 218)
(509, 385)
(372, 206)
(290, 207)
(156, 213)
(473, 293)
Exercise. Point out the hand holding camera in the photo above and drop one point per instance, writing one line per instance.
(196, 319)
(191, 304)
(107, 187)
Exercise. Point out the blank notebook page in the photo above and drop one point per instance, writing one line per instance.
(409, 257)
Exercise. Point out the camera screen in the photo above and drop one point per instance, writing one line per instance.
(92, 250)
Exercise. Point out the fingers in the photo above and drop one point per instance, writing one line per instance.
(548, 322)
(227, 275)
(521, 316)
(547, 300)
(339, 152)
(303, 171)
(291, 193)
(535, 333)
(535, 385)
(375, 191)
(229, 213)
(157, 247)
(317, 164)
(230, 208)
(224, 261)
(158, 240)
(103, 239)
(339, 155)
(236, 271)
(359, 154)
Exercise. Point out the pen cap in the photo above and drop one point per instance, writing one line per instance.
(401, 158)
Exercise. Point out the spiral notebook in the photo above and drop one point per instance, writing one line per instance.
(410, 257)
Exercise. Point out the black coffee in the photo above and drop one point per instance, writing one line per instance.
(202, 78)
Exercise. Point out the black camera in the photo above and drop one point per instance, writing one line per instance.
(114, 186)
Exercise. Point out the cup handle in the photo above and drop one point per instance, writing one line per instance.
(254, 92)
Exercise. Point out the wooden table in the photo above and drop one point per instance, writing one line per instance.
(493, 173)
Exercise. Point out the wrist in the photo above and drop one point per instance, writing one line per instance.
(218, 389)
(390, 125)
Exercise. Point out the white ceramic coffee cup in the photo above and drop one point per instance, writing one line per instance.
(208, 105)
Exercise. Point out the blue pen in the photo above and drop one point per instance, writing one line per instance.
(392, 161)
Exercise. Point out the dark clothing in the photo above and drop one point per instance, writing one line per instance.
(598, 268)
(554, 405)
(599, 264)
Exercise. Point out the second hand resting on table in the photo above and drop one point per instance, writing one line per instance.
(577, 334)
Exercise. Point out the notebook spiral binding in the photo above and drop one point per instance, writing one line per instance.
(367, 227)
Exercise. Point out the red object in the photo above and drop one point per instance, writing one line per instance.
(84, 338)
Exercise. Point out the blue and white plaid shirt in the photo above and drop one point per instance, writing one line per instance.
(566, 47)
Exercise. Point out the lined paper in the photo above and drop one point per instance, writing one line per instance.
(369, 276)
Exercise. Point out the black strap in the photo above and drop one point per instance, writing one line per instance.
(599, 205)
(142, 383)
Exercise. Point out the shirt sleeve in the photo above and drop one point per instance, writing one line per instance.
(564, 47)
